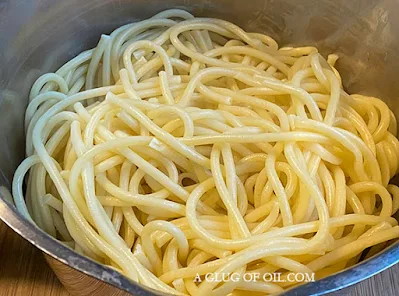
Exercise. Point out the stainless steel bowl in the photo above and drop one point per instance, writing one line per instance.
(38, 36)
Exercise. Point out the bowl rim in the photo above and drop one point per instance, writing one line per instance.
(52, 247)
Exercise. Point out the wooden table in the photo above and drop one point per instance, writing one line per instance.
(24, 272)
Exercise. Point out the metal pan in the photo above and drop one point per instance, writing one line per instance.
(38, 36)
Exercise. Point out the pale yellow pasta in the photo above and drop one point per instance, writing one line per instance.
(183, 146)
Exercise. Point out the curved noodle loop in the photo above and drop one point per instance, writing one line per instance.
(182, 146)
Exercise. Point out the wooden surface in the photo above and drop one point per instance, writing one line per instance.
(24, 272)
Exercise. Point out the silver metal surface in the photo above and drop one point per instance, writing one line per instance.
(38, 36)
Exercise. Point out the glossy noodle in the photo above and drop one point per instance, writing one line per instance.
(183, 146)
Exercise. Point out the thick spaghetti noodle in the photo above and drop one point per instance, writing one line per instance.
(181, 146)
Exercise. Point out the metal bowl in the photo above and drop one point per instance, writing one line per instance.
(38, 36)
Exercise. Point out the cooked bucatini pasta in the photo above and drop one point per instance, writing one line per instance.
(184, 146)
